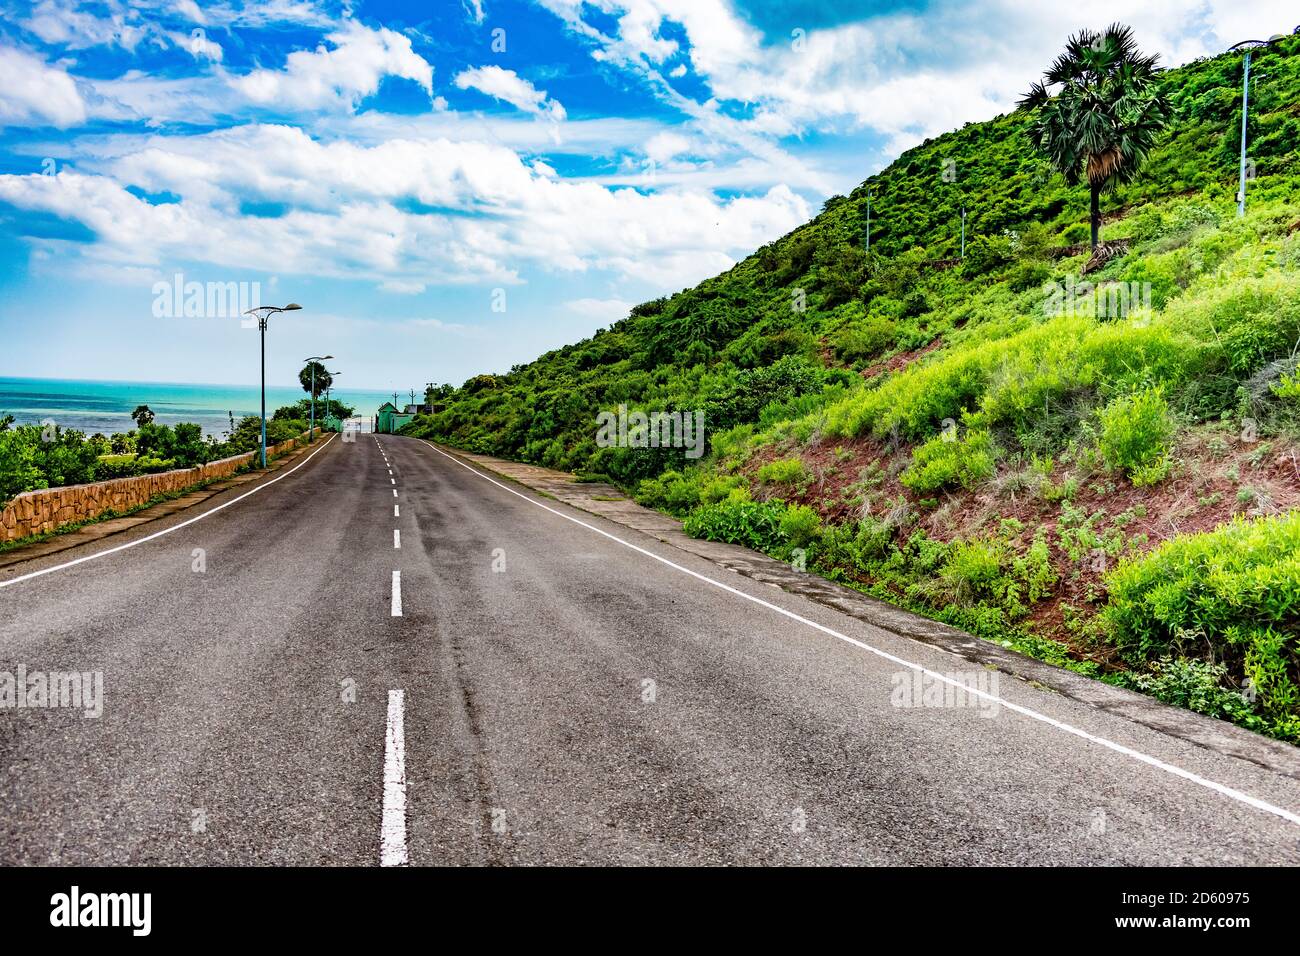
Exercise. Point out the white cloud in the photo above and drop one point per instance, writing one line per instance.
(907, 75)
(509, 87)
(341, 76)
(197, 44)
(35, 94)
(401, 212)
(664, 146)
(62, 22)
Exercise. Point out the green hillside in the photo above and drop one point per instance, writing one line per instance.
(1103, 475)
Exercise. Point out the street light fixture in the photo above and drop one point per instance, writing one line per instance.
(264, 312)
(311, 361)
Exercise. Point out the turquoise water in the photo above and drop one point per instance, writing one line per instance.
(91, 406)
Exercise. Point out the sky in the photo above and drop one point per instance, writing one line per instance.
(451, 187)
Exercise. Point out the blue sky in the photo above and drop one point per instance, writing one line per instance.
(455, 186)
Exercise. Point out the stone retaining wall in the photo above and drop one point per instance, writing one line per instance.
(48, 509)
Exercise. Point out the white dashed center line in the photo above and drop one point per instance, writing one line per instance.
(397, 594)
(392, 834)
(397, 538)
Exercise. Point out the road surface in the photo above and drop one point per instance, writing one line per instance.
(386, 656)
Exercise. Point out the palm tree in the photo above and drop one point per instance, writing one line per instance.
(322, 380)
(1098, 112)
(143, 415)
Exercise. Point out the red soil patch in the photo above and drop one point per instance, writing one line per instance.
(1215, 476)
(901, 360)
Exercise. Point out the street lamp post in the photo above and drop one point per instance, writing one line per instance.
(1248, 46)
(264, 312)
(329, 402)
(311, 363)
(867, 242)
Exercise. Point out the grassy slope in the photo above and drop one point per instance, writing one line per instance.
(1082, 442)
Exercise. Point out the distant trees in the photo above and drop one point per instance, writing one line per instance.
(40, 456)
(1098, 112)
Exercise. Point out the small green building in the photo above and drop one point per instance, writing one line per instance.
(388, 419)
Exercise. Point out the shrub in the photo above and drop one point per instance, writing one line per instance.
(783, 471)
(865, 339)
(801, 527)
(1236, 588)
(672, 492)
(18, 469)
(941, 462)
(719, 488)
(754, 524)
(115, 466)
(1137, 435)
(857, 546)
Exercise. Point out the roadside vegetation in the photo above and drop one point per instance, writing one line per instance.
(47, 456)
(1081, 440)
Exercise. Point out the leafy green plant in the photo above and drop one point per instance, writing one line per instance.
(783, 471)
(1197, 685)
(1136, 436)
(942, 462)
(800, 526)
(754, 524)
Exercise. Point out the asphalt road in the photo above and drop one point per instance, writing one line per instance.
(564, 698)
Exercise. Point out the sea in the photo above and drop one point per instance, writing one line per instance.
(96, 406)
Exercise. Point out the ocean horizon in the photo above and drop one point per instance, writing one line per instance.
(90, 406)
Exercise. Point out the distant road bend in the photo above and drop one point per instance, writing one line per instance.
(387, 656)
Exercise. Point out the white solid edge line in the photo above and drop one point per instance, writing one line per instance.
(397, 594)
(175, 527)
(1025, 711)
(392, 832)
(397, 538)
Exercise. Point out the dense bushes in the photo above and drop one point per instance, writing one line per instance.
(36, 456)
(1235, 590)
(755, 524)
